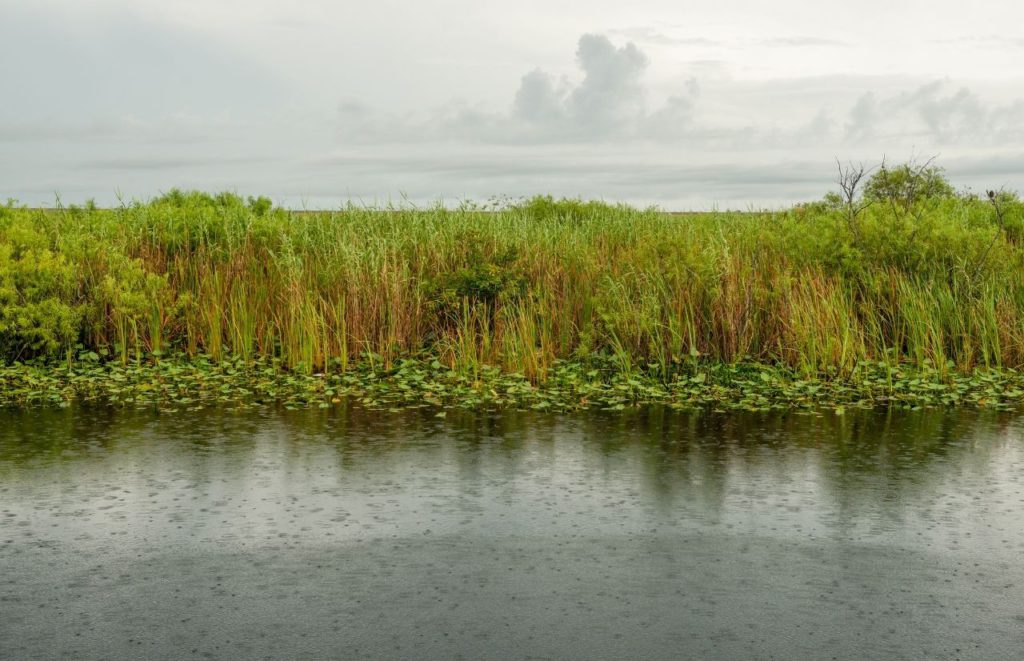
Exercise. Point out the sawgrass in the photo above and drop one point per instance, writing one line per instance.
(517, 289)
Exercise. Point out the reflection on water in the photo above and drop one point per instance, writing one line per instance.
(647, 534)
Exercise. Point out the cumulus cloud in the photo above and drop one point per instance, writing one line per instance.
(540, 99)
(674, 119)
(863, 117)
(610, 95)
(608, 108)
(608, 102)
(604, 132)
(184, 111)
(938, 113)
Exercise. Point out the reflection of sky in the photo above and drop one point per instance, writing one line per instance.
(944, 482)
(349, 534)
(683, 106)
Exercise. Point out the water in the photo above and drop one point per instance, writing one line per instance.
(353, 534)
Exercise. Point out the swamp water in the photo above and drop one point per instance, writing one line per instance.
(355, 534)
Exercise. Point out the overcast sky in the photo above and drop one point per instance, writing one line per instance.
(684, 105)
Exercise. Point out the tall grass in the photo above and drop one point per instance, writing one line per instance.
(518, 288)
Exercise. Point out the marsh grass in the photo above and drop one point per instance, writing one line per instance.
(517, 289)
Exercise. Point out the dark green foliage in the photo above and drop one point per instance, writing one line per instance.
(260, 206)
(547, 208)
(485, 281)
(180, 199)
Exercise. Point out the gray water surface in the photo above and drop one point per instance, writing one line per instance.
(349, 534)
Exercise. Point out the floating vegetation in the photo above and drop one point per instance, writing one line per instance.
(184, 383)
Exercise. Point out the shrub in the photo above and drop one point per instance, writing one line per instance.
(486, 281)
(908, 184)
(38, 312)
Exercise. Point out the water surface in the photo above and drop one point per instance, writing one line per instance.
(354, 534)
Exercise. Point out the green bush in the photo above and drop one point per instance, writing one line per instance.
(39, 315)
(908, 184)
(486, 281)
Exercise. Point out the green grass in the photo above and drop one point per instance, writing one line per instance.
(522, 291)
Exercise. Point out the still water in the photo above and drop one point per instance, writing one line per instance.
(356, 534)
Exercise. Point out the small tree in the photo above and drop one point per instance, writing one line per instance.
(903, 187)
(849, 198)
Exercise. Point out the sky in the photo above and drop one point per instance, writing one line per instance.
(682, 105)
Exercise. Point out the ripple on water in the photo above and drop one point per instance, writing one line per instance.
(650, 534)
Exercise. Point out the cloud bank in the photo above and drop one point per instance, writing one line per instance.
(642, 115)
(609, 103)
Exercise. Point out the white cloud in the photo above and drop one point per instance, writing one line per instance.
(690, 106)
(938, 113)
(610, 96)
(541, 99)
(608, 103)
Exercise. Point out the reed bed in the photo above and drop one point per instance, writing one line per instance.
(521, 288)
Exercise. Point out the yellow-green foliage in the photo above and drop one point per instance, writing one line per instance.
(517, 288)
(39, 309)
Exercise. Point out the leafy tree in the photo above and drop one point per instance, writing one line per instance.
(904, 186)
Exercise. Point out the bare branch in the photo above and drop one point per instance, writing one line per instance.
(995, 198)
(849, 179)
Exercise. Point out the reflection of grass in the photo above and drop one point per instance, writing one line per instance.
(526, 290)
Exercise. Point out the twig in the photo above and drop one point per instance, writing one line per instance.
(997, 205)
